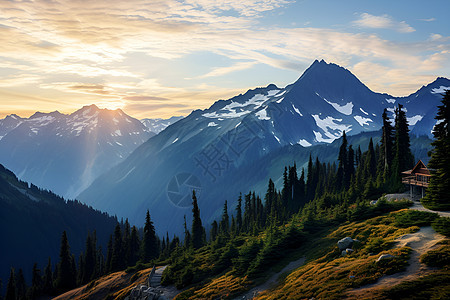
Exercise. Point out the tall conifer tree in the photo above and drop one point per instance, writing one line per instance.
(403, 158)
(438, 193)
(11, 287)
(197, 228)
(66, 277)
(149, 241)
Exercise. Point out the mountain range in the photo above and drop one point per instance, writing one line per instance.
(205, 150)
(65, 153)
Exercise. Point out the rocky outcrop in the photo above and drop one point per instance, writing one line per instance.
(384, 256)
(345, 243)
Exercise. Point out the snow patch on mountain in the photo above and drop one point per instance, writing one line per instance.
(391, 101)
(319, 138)
(413, 120)
(272, 93)
(280, 94)
(236, 109)
(362, 110)
(297, 110)
(212, 124)
(262, 114)
(329, 126)
(276, 137)
(304, 143)
(345, 109)
(362, 121)
(440, 90)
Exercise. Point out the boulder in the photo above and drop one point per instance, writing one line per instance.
(384, 257)
(345, 243)
(344, 253)
(349, 250)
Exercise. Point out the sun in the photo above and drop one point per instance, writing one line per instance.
(111, 105)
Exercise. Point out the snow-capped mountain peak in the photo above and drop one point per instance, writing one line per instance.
(65, 153)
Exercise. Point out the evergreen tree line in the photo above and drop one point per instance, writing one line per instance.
(126, 247)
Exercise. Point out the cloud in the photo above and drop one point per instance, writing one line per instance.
(382, 22)
(225, 70)
(428, 20)
(77, 49)
(145, 98)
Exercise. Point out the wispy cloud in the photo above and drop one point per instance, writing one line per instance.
(428, 20)
(81, 50)
(225, 70)
(383, 22)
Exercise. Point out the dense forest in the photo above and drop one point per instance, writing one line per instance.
(261, 231)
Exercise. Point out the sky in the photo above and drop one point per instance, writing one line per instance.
(161, 58)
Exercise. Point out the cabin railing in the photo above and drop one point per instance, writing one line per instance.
(417, 180)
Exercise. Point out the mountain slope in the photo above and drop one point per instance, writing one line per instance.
(202, 150)
(65, 153)
(32, 221)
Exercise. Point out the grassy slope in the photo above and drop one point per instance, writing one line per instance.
(327, 275)
(113, 286)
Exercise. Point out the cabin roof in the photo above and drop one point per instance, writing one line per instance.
(420, 168)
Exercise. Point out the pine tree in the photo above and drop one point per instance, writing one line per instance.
(438, 192)
(117, 258)
(239, 214)
(87, 268)
(21, 286)
(214, 231)
(310, 188)
(109, 254)
(187, 235)
(370, 166)
(403, 159)
(386, 149)
(343, 163)
(134, 245)
(225, 222)
(37, 282)
(149, 241)
(197, 228)
(48, 278)
(350, 166)
(11, 287)
(66, 278)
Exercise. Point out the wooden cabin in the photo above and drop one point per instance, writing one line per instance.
(419, 176)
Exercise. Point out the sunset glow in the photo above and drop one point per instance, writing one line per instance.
(167, 57)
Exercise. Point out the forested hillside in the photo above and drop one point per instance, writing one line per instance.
(32, 221)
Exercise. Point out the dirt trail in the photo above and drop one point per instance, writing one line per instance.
(420, 242)
(168, 292)
(272, 280)
(417, 205)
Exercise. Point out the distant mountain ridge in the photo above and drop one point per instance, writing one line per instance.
(203, 149)
(65, 153)
(157, 125)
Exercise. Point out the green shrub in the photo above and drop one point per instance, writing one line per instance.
(410, 218)
(442, 226)
(437, 258)
(376, 245)
(433, 286)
